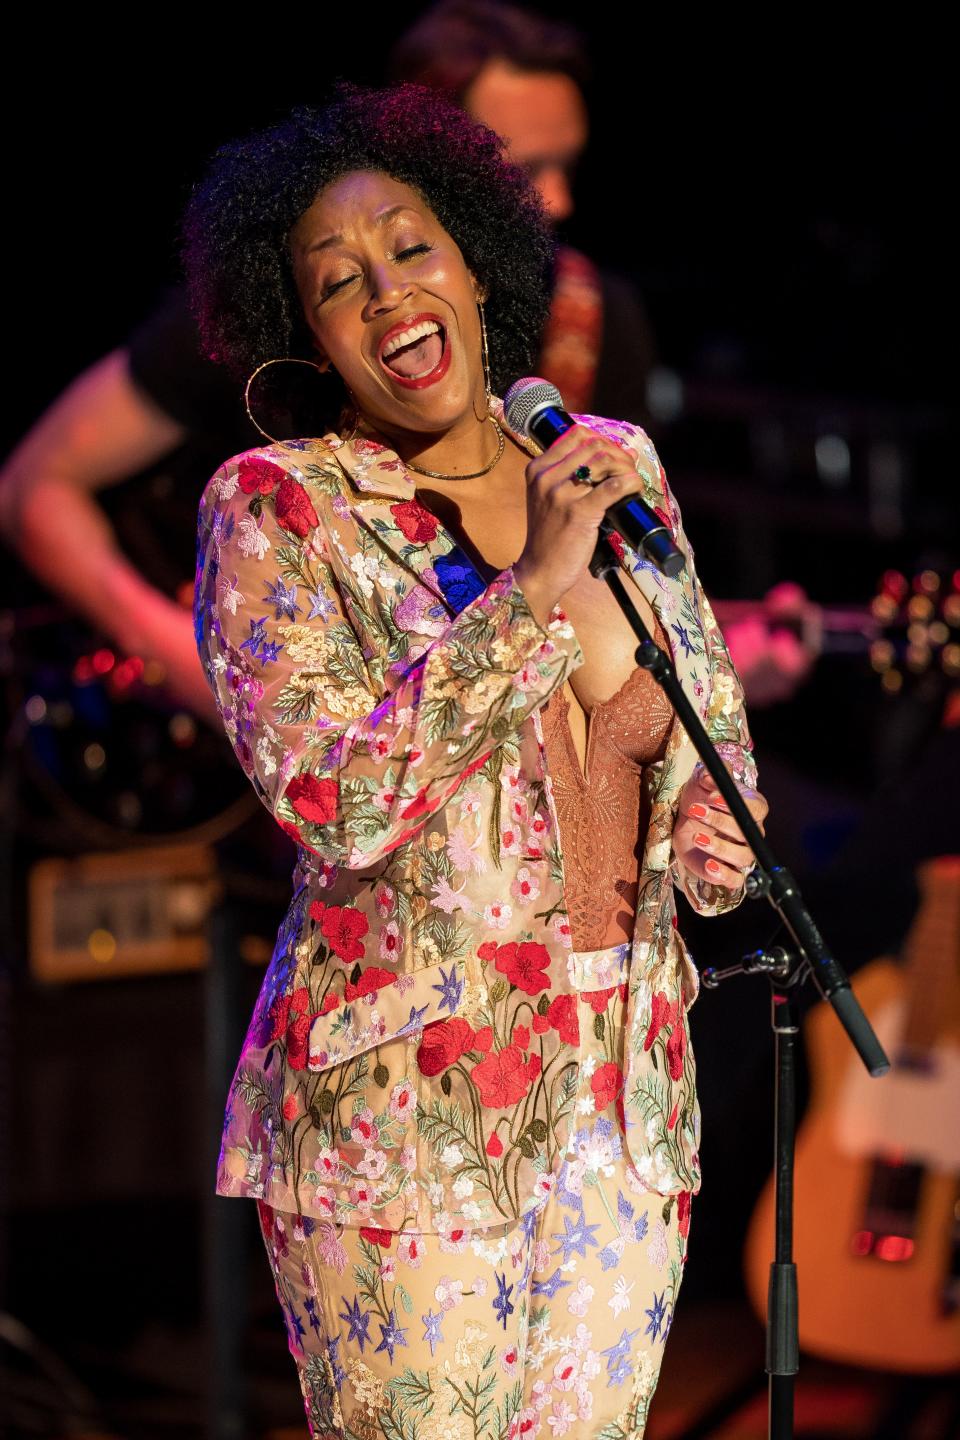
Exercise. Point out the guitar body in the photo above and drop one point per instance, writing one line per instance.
(876, 1223)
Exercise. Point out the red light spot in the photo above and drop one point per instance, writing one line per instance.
(103, 661)
(894, 1247)
(83, 670)
(862, 1242)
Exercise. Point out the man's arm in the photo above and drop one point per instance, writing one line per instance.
(102, 429)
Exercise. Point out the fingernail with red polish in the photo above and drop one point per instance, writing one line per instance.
(699, 811)
(704, 841)
(713, 866)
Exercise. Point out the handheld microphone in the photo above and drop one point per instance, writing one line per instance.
(534, 407)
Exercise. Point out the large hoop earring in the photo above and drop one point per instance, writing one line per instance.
(280, 360)
(485, 353)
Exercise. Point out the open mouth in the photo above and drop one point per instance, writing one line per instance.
(416, 353)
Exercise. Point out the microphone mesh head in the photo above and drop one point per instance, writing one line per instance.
(525, 399)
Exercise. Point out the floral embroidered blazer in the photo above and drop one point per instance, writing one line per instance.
(411, 1060)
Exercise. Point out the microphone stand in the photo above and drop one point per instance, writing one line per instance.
(787, 969)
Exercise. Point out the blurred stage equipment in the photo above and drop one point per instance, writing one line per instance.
(878, 1171)
(135, 912)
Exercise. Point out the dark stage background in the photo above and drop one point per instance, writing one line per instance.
(780, 195)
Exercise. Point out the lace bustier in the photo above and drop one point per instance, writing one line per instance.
(602, 808)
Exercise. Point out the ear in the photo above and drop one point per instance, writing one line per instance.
(480, 292)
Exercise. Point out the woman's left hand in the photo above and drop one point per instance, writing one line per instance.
(706, 838)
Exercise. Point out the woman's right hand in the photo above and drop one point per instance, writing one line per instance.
(564, 514)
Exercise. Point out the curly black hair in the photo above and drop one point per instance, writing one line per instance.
(238, 221)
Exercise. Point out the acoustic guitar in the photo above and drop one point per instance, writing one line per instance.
(877, 1219)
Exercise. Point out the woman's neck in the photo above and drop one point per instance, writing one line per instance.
(468, 446)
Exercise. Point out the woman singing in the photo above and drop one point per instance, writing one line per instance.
(465, 1104)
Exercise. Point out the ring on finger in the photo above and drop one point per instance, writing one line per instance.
(583, 476)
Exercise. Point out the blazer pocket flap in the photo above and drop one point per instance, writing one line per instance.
(401, 1007)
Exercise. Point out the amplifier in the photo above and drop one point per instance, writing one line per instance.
(139, 911)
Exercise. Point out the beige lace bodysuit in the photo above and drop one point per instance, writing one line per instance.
(602, 808)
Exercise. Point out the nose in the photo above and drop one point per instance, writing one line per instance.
(554, 188)
(389, 287)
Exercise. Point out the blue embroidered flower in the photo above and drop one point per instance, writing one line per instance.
(458, 579)
(551, 1285)
(391, 1334)
(575, 1238)
(450, 988)
(616, 1354)
(339, 1374)
(359, 1323)
(433, 1334)
(682, 635)
(656, 1315)
(322, 605)
(283, 599)
(609, 1258)
(502, 1304)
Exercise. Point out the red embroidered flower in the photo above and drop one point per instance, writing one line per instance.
(617, 542)
(330, 1002)
(504, 1078)
(372, 979)
(261, 476)
(291, 1019)
(521, 1036)
(540, 1024)
(442, 1045)
(294, 508)
(314, 799)
(417, 805)
(342, 927)
(663, 1012)
(291, 1107)
(415, 521)
(495, 1146)
(606, 1084)
(676, 1049)
(563, 1017)
(483, 1039)
(673, 1116)
(524, 965)
(684, 1200)
(598, 999)
(375, 1236)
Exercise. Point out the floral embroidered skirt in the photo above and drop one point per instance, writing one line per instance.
(552, 1325)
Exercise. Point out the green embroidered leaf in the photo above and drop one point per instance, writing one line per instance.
(412, 1387)
(599, 1025)
(441, 716)
(406, 1299)
(255, 1093)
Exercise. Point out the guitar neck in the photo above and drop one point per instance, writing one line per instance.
(840, 630)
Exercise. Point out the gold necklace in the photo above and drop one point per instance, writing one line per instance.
(439, 475)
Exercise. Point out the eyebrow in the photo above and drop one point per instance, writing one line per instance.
(379, 220)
